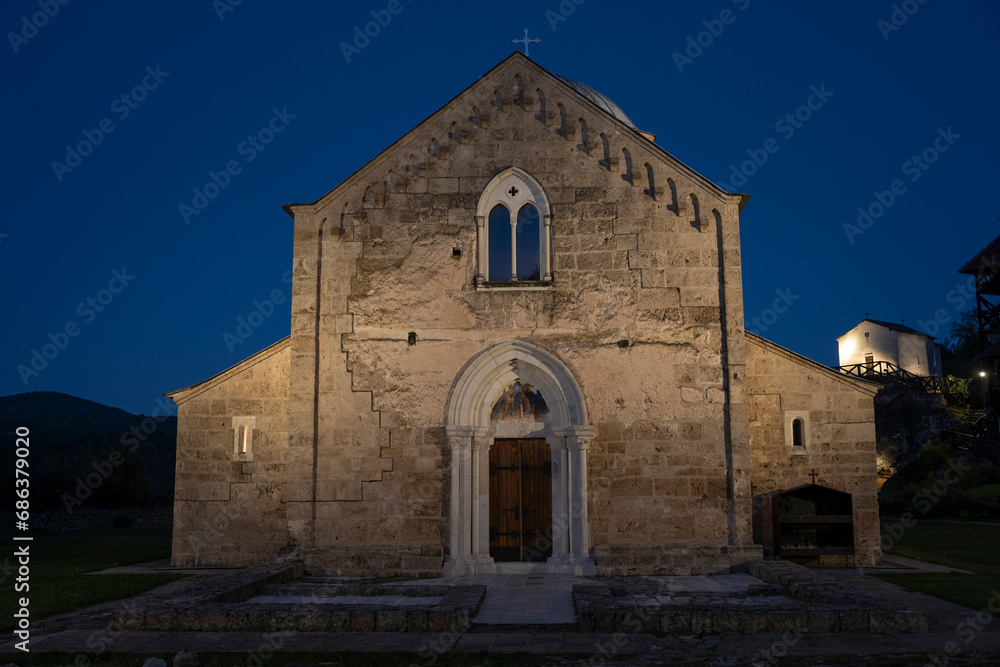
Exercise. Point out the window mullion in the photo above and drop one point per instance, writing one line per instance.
(483, 268)
(513, 248)
(545, 258)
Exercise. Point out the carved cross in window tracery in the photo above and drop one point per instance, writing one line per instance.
(513, 191)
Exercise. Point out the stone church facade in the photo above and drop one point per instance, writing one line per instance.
(517, 335)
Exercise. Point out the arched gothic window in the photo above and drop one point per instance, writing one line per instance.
(513, 222)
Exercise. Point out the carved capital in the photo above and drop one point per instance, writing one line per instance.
(478, 439)
(578, 438)
(460, 437)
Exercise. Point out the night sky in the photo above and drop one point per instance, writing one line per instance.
(115, 113)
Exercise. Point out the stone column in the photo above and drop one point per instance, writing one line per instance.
(459, 560)
(476, 507)
(547, 249)
(482, 248)
(465, 500)
(513, 248)
(578, 444)
(481, 558)
(454, 505)
(578, 560)
(560, 506)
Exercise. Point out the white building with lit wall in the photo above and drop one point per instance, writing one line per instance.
(873, 341)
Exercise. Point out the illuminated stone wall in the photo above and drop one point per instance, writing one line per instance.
(840, 417)
(398, 355)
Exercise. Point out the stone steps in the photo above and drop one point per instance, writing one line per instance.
(791, 599)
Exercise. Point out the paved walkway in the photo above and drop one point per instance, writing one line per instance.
(893, 564)
(547, 599)
(504, 621)
(718, 584)
(520, 599)
(391, 600)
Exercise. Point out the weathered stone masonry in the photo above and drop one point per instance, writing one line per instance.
(637, 342)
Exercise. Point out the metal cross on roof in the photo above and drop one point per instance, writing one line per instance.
(526, 42)
(814, 475)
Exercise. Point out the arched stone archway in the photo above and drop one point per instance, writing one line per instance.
(471, 434)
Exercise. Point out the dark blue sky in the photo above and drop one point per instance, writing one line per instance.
(206, 84)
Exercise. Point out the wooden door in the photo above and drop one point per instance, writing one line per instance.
(520, 500)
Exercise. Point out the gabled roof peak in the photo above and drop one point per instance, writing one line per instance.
(893, 326)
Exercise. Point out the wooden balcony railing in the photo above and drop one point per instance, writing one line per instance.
(885, 371)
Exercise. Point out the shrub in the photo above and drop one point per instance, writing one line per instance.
(982, 501)
(958, 391)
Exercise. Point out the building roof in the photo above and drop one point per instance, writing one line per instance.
(184, 393)
(991, 351)
(901, 328)
(601, 100)
(588, 94)
(862, 385)
(988, 257)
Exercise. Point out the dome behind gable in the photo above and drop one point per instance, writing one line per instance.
(600, 100)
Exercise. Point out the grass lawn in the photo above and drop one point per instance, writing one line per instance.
(393, 659)
(969, 546)
(396, 659)
(59, 563)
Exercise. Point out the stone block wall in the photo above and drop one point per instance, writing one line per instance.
(639, 243)
(228, 511)
(840, 416)
(352, 463)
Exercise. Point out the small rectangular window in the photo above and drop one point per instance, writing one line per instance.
(243, 428)
(797, 432)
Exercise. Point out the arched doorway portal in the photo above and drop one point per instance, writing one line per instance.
(474, 425)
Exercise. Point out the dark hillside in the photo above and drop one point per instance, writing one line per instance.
(88, 455)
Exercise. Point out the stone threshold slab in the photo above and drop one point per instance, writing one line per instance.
(221, 605)
(811, 603)
(383, 600)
